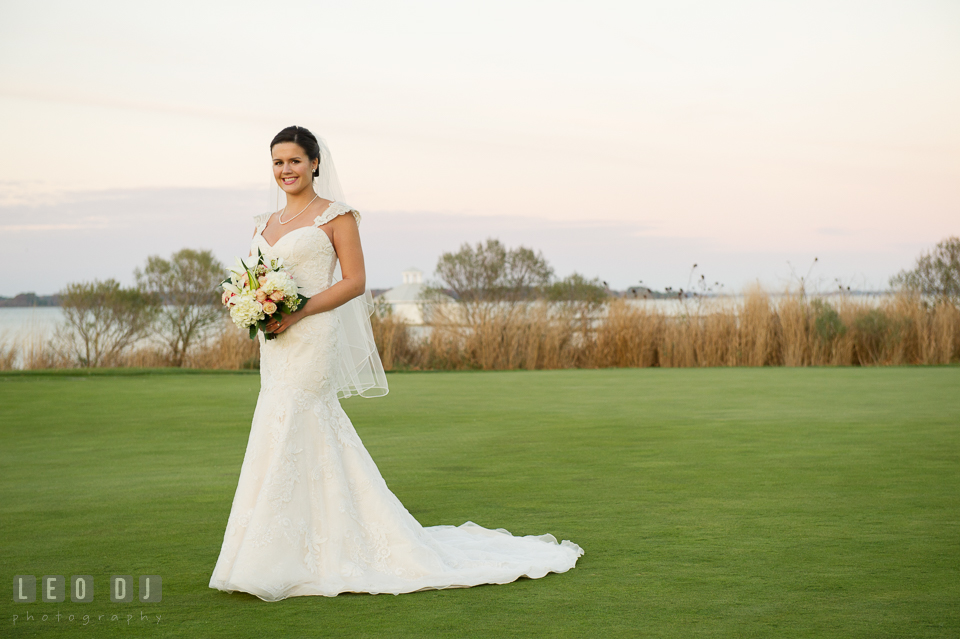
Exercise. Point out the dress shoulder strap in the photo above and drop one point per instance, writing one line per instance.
(335, 209)
(261, 220)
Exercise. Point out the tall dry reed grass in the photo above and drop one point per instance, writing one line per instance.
(228, 348)
(794, 331)
(30, 351)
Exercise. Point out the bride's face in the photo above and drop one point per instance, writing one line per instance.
(292, 167)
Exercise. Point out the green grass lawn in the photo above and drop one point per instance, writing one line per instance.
(710, 502)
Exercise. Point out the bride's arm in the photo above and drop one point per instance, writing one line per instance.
(346, 242)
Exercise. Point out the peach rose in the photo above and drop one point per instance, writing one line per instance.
(269, 308)
(262, 279)
(276, 296)
(261, 295)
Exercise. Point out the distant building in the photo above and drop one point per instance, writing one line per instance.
(406, 300)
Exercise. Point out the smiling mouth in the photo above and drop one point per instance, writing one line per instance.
(289, 181)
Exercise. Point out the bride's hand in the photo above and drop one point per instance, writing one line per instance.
(288, 320)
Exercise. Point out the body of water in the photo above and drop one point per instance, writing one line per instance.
(23, 322)
(41, 320)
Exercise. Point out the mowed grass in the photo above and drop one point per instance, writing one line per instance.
(710, 502)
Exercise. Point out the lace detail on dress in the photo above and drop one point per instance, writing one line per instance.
(332, 211)
(260, 219)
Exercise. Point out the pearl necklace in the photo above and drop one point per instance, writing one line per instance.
(280, 217)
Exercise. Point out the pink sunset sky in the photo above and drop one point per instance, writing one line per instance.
(626, 140)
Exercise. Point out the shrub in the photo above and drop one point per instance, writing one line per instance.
(936, 273)
(103, 320)
(827, 323)
(187, 284)
(871, 329)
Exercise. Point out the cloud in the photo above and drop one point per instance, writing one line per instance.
(79, 236)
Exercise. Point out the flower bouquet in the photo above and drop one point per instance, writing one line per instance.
(258, 291)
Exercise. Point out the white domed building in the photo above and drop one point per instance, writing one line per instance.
(406, 301)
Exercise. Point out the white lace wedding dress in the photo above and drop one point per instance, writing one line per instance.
(312, 514)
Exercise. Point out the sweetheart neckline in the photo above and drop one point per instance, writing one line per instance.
(312, 226)
(301, 228)
(280, 239)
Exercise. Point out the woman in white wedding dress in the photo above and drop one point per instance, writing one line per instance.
(312, 514)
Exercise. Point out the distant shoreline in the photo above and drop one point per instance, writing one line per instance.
(29, 299)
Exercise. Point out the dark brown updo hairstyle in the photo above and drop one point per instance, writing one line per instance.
(303, 137)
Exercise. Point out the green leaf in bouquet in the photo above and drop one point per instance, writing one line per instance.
(301, 300)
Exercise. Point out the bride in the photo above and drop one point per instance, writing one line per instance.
(312, 514)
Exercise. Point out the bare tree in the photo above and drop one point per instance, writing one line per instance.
(103, 320)
(580, 298)
(484, 277)
(187, 284)
(937, 273)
